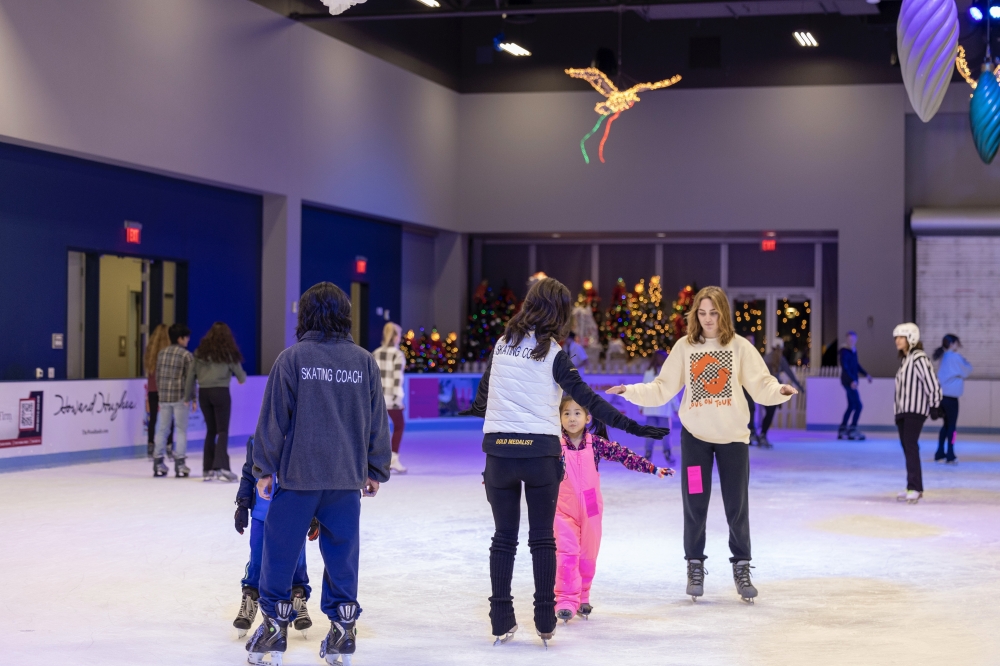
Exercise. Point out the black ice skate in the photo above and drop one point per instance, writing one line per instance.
(159, 469)
(500, 640)
(584, 611)
(180, 469)
(248, 611)
(842, 432)
(741, 576)
(696, 579)
(341, 641)
(565, 615)
(271, 638)
(856, 434)
(302, 619)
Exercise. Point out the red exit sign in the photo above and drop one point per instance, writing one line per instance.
(133, 233)
(768, 245)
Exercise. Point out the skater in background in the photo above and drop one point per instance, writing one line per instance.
(850, 374)
(580, 507)
(158, 341)
(519, 397)
(577, 354)
(251, 509)
(216, 361)
(392, 363)
(953, 370)
(713, 365)
(776, 364)
(173, 364)
(322, 439)
(918, 395)
(661, 415)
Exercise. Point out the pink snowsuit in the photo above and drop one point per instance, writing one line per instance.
(578, 515)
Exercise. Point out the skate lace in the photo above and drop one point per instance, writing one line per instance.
(696, 573)
(248, 608)
(742, 575)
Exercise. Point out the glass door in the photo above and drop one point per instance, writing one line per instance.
(750, 319)
(771, 314)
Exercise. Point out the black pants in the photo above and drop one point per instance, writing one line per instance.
(950, 408)
(765, 424)
(909, 426)
(753, 413)
(154, 410)
(541, 477)
(696, 490)
(216, 406)
(853, 408)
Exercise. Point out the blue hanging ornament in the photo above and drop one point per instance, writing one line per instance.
(984, 115)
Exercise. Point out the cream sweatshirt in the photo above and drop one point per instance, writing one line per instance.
(713, 408)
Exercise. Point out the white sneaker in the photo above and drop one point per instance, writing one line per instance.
(911, 496)
(395, 465)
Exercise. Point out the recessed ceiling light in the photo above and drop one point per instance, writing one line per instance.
(513, 49)
(431, 3)
(805, 39)
(995, 12)
(661, 235)
(976, 13)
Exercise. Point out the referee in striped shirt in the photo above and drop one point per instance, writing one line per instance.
(918, 394)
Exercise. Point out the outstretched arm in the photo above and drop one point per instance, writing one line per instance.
(615, 452)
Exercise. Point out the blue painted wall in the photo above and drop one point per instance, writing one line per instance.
(331, 241)
(50, 204)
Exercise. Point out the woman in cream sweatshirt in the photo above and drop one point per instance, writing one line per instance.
(713, 365)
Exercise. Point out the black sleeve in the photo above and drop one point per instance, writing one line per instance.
(479, 406)
(247, 481)
(568, 377)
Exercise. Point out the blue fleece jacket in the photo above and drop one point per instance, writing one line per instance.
(952, 372)
(323, 423)
(850, 368)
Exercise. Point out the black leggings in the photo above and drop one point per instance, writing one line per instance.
(541, 478)
(949, 406)
(909, 426)
(216, 405)
(765, 424)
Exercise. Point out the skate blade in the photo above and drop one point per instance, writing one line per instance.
(500, 640)
(338, 659)
(257, 658)
(241, 633)
(747, 600)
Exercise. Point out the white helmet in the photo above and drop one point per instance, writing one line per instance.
(908, 331)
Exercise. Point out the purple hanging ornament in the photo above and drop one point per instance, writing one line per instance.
(926, 40)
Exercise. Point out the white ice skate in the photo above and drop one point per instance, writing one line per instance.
(395, 465)
(909, 496)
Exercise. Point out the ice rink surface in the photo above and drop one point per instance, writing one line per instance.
(102, 564)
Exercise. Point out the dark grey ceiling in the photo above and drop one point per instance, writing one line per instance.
(746, 43)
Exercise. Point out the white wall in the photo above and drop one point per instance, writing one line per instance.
(228, 92)
(792, 158)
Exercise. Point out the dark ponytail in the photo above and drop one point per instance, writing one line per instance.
(546, 311)
(946, 342)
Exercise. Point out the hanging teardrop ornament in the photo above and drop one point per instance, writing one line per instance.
(984, 115)
(926, 41)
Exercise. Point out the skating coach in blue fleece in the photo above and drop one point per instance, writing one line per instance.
(324, 433)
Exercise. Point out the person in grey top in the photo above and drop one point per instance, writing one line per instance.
(216, 360)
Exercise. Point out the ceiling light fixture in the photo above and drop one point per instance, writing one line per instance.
(805, 39)
(430, 3)
(975, 13)
(513, 49)
(995, 12)
(340, 6)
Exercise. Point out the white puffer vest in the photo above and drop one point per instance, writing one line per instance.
(523, 396)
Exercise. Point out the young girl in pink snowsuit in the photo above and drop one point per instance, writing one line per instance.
(580, 506)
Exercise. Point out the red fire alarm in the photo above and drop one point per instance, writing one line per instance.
(360, 265)
(768, 245)
(133, 233)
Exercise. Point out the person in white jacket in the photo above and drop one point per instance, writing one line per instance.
(713, 365)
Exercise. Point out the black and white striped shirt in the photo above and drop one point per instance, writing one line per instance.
(917, 387)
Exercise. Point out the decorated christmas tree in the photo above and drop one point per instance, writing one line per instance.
(430, 352)
(678, 311)
(617, 320)
(650, 329)
(488, 318)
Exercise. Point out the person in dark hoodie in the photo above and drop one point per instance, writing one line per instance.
(323, 434)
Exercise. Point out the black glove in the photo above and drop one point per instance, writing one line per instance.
(313, 532)
(242, 516)
(936, 413)
(647, 432)
(471, 412)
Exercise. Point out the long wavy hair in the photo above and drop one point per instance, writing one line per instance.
(158, 341)
(218, 346)
(326, 309)
(721, 302)
(545, 312)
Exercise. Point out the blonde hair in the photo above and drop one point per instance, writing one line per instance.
(390, 329)
(721, 303)
(158, 341)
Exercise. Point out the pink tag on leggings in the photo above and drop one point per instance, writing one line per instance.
(694, 481)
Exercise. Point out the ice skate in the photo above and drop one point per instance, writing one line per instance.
(668, 456)
(909, 496)
(584, 611)
(741, 576)
(248, 611)
(181, 470)
(546, 636)
(209, 475)
(395, 465)
(159, 469)
(764, 443)
(302, 619)
(225, 475)
(500, 640)
(842, 432)
(951, 461)
(856, 434)
(754, 440)
(696, 578)
(271, 638)
(565, 615)
(340, 642)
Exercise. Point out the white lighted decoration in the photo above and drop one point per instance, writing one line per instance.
(513, 49)
(340, 6)
(926, 40)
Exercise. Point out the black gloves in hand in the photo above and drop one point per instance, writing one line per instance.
(936, 413)
(471, 411)
(313, 532)
(242, 513)
(648, 432)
